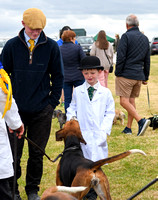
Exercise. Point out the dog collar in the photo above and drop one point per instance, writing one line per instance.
(65, 150)
(70, 149)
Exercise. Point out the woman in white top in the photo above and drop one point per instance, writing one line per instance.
(101, 48)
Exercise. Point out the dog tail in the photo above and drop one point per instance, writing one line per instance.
(70, 189)
(96, 165)
(55, 189)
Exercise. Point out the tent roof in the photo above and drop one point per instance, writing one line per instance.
(110, 39)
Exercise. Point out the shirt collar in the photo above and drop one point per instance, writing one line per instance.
(95, 86)
(27, 38)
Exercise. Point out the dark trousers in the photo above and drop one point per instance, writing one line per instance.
(68, 90)
(5, 192)
(37, 126)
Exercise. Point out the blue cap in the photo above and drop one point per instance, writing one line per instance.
(1, 66)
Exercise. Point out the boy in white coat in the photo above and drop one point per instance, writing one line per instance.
(12, 119)
(95, 116)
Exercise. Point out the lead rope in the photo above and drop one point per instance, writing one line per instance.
(60, 155)
(34, 144)
(144, 188)
(43, 152)
(149, 100)
(15, 159)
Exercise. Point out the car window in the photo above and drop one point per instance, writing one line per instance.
(85, 40)
(80, 40)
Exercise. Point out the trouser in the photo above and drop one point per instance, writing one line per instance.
(5, 192)
(68, 90)
(37, 126)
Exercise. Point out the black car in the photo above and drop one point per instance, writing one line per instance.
(86, 43)
(154, 46)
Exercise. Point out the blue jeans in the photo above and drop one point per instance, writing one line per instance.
(68, 90)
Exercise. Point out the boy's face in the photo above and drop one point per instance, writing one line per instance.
(91, 75)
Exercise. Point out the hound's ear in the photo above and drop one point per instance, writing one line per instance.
(60, 135)
(82, 140)
(80, 137)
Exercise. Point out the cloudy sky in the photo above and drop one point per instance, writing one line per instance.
(93, 15)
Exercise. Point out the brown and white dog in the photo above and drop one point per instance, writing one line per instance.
(119, 115)
(58, 193)
(74, 170)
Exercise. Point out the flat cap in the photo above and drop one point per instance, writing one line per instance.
(34, 18)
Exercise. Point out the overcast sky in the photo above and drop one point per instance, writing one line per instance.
(93, 15)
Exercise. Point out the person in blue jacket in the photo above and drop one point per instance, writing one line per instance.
(72, 55)
(34, 63)
(132, 70)
(60, 41)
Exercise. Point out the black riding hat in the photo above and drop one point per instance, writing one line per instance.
(90, 62)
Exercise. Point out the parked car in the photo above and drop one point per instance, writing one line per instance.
(86, 43)
(154, 46)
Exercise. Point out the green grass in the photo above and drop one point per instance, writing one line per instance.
(128, 175)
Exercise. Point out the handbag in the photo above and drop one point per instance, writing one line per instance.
(111, 66)
(111, 69)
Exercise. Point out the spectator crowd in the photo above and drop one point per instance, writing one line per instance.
(41, 72)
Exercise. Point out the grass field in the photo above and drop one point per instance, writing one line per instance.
(126, 176)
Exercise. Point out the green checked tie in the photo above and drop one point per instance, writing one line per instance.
(90, 92)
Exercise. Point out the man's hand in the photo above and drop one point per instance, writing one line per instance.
(19, 131)
(144, 82)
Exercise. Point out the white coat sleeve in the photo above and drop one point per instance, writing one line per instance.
(11, 117)
(109, 114)
(72, 109)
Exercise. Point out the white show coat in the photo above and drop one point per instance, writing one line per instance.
(95, 118)
(13, 120)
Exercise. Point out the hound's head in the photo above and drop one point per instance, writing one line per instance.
(71, 128)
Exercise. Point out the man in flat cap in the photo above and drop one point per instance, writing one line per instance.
(36, 69)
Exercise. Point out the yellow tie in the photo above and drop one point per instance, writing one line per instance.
(32, 44)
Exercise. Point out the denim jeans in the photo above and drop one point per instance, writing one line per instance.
(37, 126)
(68, 90)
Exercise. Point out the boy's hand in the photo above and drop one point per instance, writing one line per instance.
(74, 118)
